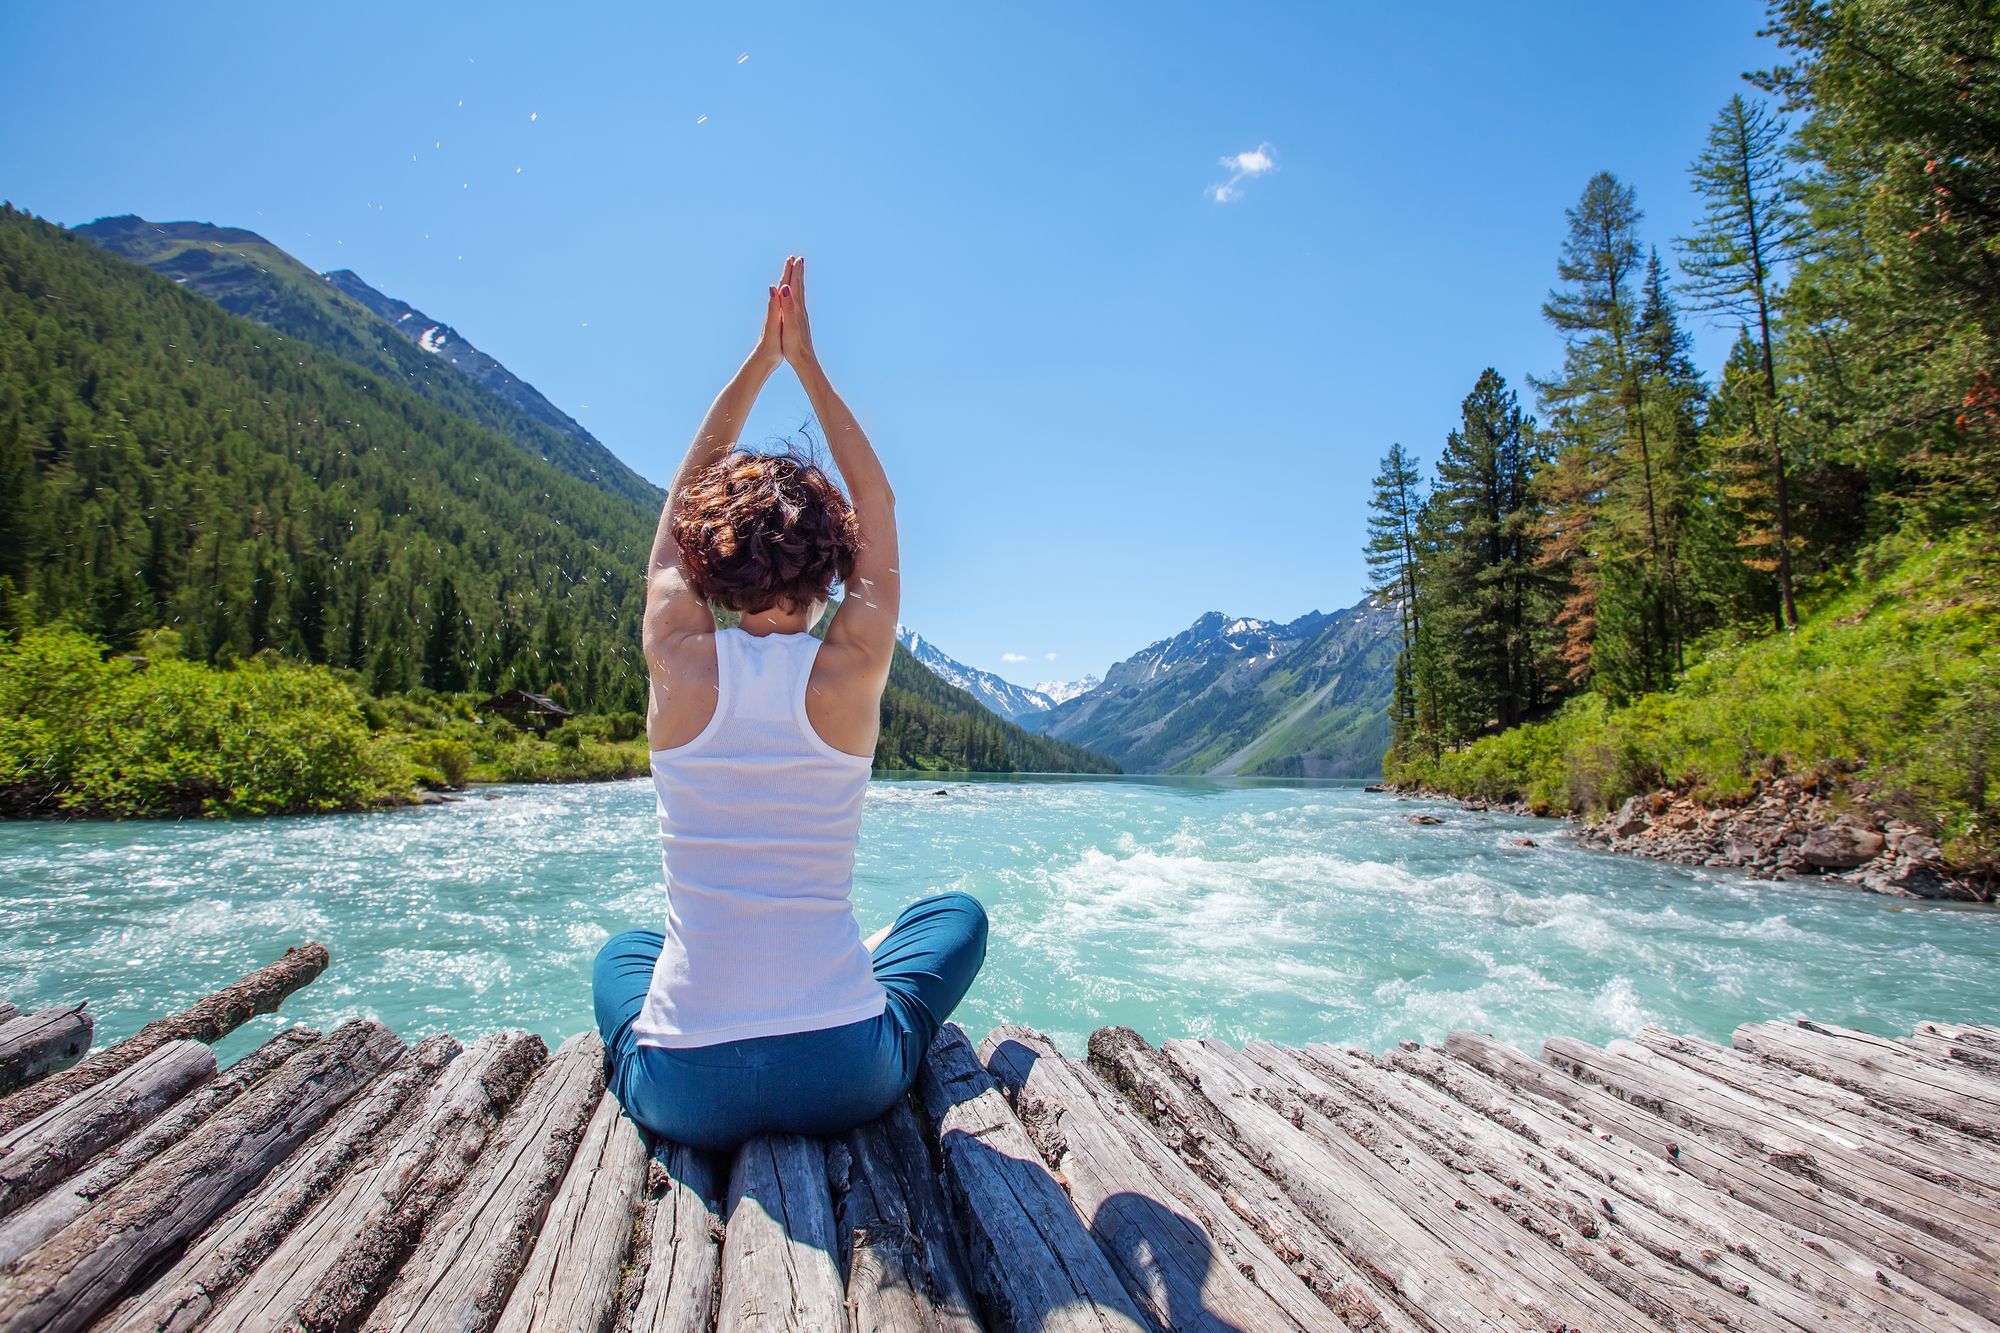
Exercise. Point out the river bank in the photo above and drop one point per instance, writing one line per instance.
(1786, 829)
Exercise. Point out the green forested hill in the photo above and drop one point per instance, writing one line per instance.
(247, 275)
(164, 463)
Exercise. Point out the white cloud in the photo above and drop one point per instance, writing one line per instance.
(1244, 166)
(1049, 656)
(1012, 657)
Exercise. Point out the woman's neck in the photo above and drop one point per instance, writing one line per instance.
(776, 621)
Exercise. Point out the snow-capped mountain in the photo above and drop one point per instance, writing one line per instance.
(1232, 694)
(1242, 640)
(1062, 691)
(1004, 697)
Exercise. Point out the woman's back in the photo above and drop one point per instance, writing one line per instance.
(758, 822)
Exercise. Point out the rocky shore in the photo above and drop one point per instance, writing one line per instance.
(1787, 830)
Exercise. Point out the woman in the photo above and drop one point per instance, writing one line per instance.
(760, 1009)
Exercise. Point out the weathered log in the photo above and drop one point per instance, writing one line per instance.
(1185, 1258)
(52, 1211)
(208, 1019)
(338, 1257)
(1738, 1247)
(779, 1269)
(571, 1282)
(673, 1286)
(1183, 1120)
(1447, 1286)
(1033, 1261)
(1969, 1279)
(905, 1273)
(35, 1045)
(1941, 1041)
(1627, 1250)
(465, 1267)
(1823, 1155)
(1377, 1155)
(85, 1266)
(248, 1234)
(1938, 1152)
(1897, 1078)
(62, 1139)
(7, 1011)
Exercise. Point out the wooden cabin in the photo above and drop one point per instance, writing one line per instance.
(529, 712)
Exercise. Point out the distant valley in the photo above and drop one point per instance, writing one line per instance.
(1011, 701)
(1226, 696)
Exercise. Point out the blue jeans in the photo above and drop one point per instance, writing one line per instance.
(819, 1082)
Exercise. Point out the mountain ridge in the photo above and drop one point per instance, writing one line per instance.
(254, 278)
(1240, 695)
(1003, 696)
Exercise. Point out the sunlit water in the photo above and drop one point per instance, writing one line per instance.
(1293, 913)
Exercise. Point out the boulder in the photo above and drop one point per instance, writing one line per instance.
(1630, 819)
(1842, 845)
(1425, 819)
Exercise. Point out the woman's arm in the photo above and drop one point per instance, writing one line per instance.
(671, 606)
(864, 631)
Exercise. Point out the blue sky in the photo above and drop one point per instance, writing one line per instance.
(1108, 399)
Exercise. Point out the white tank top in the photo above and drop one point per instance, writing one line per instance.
(758, 821)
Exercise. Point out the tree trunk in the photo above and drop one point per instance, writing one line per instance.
(465, 1266)
(84, 1267)
(779, 1264)
(37, 1044)
(571, 1282)
(53, 1210)
(62, 1140)
(675, 1291)
(337, 1258)
(208, 1019)
(1183, 1255)
(1033, 1261)
(905, 1270)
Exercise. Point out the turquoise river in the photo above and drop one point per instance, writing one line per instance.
(1288, 912)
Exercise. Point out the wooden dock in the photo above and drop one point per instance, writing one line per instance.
(1804, 1177)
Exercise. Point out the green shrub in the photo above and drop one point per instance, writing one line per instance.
(442, 761)
(1891, 690)
(80, 734)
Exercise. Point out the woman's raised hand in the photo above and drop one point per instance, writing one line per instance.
(770, 343)
(795, 333)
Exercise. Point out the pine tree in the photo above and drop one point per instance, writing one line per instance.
(1895, 304)
(1750, 230)
(447, 641)
(20, 511)
(1480, 582)
(1594, 404)
(1675, 398)
(1733, 545)
(1392, 564)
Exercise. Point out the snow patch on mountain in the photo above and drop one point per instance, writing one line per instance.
(1062, 691)
(1004, 697)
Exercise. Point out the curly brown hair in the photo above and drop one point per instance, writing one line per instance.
(764, 530)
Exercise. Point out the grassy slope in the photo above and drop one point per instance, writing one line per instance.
(1891, 689)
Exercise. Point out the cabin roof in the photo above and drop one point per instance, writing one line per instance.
(521, 701)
